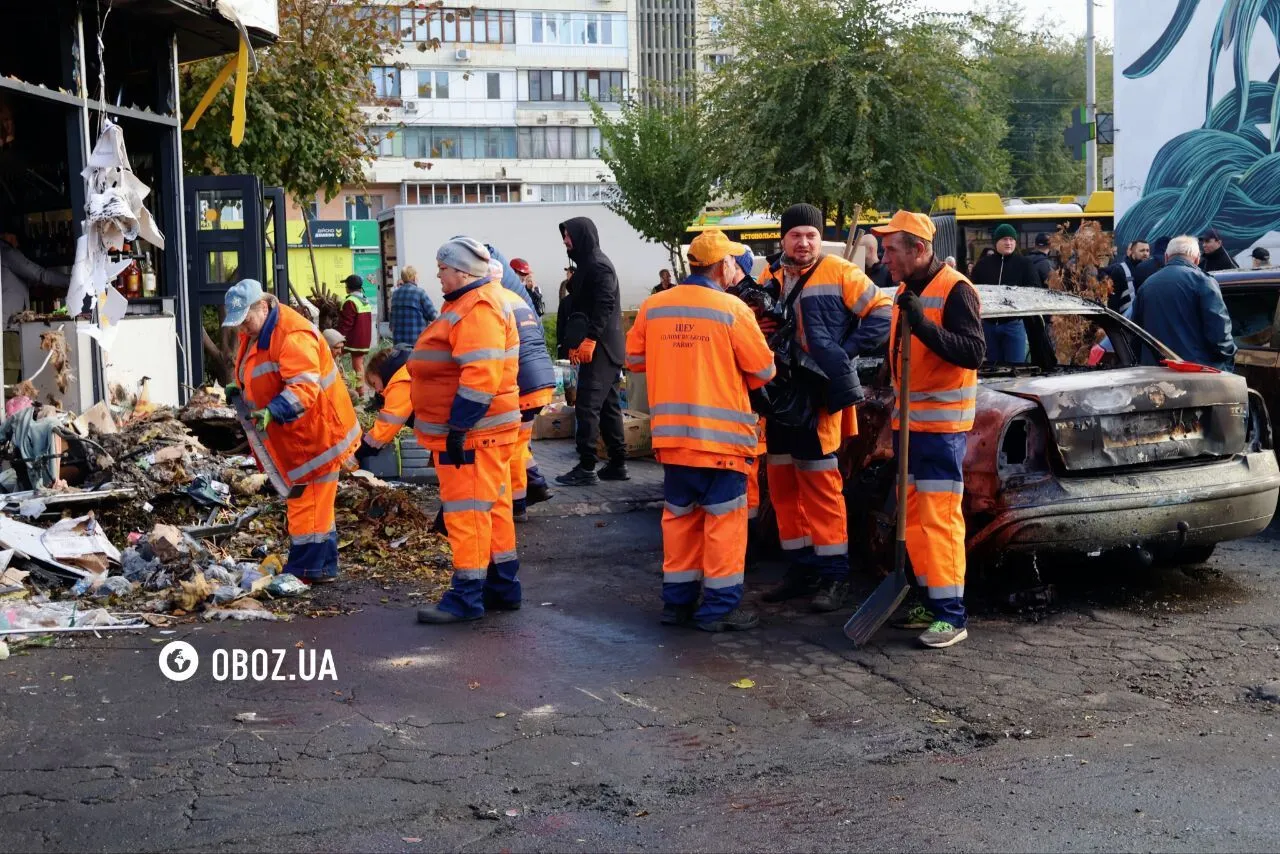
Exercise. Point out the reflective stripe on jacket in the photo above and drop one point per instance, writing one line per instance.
(397, 408)
(464, 370)
(702, 351)
(536, 370)
(943, 396)
(289, 370)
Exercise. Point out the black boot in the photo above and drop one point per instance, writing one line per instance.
(831, 596)
(736, 620)
(678, 615)
(615, 470)
(579, 475)
(493, 603)
(537, 493)
(793, 586)
(435, 615)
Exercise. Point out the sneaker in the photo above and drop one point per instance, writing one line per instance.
(942, 635)
(736, 620)
(917, 617)
(615, 471)
(435, 615)
(538, 494)
(578, 476)
(831, 596)
(678, 615)
(792, 587)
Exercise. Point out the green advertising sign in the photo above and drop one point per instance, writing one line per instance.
(368, 266)
(364, 234)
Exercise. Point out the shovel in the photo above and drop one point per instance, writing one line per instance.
(257, 444)
(886, 598)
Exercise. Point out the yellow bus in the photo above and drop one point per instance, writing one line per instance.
(762, 232)
(965, 221)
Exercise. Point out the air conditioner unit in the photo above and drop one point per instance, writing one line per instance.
(411, 107)
(542, 119)
(462, 54)
(573, 121)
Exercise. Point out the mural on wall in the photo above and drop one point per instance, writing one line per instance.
(1225, 173)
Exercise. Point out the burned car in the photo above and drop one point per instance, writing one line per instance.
(1069, 458)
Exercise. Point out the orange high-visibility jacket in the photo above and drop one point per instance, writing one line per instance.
(464, 369)
(702, 351)
(288, 369)
(397, 406)
(943, 396)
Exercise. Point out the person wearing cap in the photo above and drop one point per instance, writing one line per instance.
(947, 344)
(706, 358)
(1006, 339)
(467, 412)
(355, 323)
(536, 381)
(411, 310)
(1123, 276)
(522, 269)
(1213, 255)
(387, 373)
(839, 315)
(594, 339)
(288, 377)
(1261, 257)
(1040, 260)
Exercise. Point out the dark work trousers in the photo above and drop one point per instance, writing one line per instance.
(599, 410)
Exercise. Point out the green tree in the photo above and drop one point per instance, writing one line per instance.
(1038, 79)
(656, 149)
(844, 102)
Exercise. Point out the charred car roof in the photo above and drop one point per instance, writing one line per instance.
(1010, 301)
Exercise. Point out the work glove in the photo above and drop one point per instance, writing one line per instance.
(375, 403)
(910, 305)
(583, 353)
(261, 418)
(233, 392)
(455, 446)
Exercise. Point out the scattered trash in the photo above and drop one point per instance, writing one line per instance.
(286, 584)
(243, 609)
(500, 715)
(246, 717)
(32, 507)
(4, 650)
(471, 686)
(743, 683)
(512, 813)
(411, 839)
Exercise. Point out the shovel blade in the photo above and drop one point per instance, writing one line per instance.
(882, 602)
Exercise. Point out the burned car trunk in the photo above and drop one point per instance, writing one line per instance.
(1075, 459)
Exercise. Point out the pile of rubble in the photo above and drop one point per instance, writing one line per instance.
(172, 520)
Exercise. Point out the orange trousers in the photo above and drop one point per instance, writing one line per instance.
(476, 500)
(313, 533)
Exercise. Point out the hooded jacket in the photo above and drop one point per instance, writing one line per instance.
(1218, 259)
(595, 288)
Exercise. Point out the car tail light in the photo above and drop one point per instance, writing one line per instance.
(1188, 367)
(1023, 446)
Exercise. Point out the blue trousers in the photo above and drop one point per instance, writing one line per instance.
(935, 520)
(1006, 340)
(704, 539)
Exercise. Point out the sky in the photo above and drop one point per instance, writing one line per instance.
(1069, 12)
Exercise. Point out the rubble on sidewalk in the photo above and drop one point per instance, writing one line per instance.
(162, 516)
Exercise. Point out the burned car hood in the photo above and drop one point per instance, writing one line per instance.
(1137, 416)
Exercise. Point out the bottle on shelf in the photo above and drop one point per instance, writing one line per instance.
(148, 277)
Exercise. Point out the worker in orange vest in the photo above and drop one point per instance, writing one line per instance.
(947, 348)
(745, 288)
(287, 375)
(704, 354)
(467, 411)
(838, 315)
(387, 373)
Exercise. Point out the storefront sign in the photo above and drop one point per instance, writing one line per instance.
(364, 234)
(329, 234)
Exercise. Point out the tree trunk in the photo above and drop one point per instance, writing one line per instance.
(315, 272)
(215, 363)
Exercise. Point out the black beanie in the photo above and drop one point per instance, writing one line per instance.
(802, 214)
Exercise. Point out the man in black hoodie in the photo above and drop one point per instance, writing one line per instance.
(1213, 255)
(595, 343)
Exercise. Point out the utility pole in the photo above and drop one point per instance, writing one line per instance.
(1090, 104)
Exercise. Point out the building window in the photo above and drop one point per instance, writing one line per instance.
(559, 143)
(574, 85)
(463, 193)
(714, 25)
(577, 28)
(433, 84)
(570, 192)
(386, 81)
(493, 81)
(362, 207)
(458, 25)
(715, 60)
(448, 143)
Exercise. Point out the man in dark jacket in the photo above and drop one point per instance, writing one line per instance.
(1040, 259)
(598, 354)
(1213, 255)
(1182, 307)
(563, 312)
(1006, 339)
(1153, 263)
(1123, 273)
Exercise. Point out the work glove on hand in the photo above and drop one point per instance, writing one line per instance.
(232, 392)
(911, 306)
(455, 446)
(583, 353)
(768, 325)
(261, 418)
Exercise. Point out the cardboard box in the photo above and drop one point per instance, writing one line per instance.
(554, 422)
(635, 431)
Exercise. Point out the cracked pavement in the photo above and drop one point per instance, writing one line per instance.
(1125, 717)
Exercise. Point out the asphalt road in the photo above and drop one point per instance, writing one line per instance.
(1125, 717)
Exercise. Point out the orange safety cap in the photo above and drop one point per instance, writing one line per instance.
(916, 224)
(713, 246)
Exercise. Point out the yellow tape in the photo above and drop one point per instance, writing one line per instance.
(238, 113)
(218, 82)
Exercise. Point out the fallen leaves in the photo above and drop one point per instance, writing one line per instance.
(743, 684)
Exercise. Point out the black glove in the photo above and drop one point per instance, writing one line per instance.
(375, 403)
(910, 305)
(760, 402)
(454, 446)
